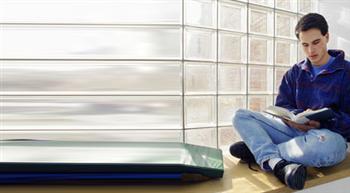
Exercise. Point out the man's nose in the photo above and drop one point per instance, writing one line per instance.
(311, 49)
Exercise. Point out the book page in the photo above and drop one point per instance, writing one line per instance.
(309, 112)
(280, 112)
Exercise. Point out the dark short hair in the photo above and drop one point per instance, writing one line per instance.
(309, 21)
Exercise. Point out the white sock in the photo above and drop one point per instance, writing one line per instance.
(272, 162)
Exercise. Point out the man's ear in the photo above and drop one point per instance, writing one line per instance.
(327, 36)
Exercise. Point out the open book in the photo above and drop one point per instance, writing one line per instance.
(301, 118)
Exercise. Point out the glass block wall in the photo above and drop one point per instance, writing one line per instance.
(141, 70)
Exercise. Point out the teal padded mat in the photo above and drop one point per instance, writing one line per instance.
(46, 161)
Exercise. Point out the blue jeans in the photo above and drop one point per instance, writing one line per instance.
(268, 137)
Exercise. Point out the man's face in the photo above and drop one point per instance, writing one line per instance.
(314, 45)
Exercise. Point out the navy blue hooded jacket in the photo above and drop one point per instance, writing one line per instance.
(300, 90)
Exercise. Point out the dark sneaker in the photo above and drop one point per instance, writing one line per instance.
(291, 174)
(240, 150)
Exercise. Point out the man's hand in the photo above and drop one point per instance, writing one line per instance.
(304, 127)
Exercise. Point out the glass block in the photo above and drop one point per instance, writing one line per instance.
(269, 3)
(285, 24)
(200, 13)
(90, 42)
(279, 73)
(287, 5)
(90, 112)
(286, 52)
(232, 79)
(228, 105)
(92, 11)
(260, 102)
(232, 16)
(260, 80)
(200, 111)
(227, 136)
(200, 44)
(260, 21)
(307, 6)
(203, 137)
(90, 78)
(200, 78)
(98, 135)
(232, 47)
(299, 16)
(260, 50)
(274, 99)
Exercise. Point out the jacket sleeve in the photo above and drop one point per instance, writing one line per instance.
(286, 94)
(341, 122)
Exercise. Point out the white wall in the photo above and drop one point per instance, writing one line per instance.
(337, 13)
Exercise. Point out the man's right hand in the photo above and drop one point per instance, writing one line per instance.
(303, 127)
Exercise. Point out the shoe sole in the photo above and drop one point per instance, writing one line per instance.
(298, 180)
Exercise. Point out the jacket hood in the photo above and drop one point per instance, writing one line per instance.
(338, 63)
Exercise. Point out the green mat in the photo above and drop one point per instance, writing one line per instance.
(141, 160)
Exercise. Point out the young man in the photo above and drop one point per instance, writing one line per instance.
(321, 80)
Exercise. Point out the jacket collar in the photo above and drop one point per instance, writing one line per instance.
(338, 62)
